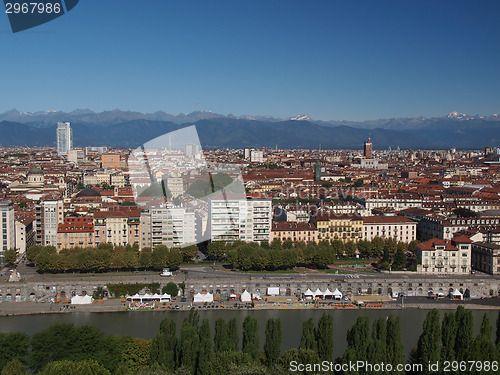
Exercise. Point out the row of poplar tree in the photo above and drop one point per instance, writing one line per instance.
(63, 349)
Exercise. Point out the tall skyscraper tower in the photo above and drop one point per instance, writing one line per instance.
(368, 149)
(64, 138)
(7, 229)
(317, 171)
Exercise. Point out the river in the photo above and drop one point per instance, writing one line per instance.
(145, 324)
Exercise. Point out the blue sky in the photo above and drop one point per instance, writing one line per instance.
(332, 60)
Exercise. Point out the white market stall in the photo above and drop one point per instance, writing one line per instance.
(81, 300)
(457, 295)
(273, 291)
(327, 294)
(337, 294)
(308, 294)
(246, 297)
(318, 294)
(208, 297)
(149, 298)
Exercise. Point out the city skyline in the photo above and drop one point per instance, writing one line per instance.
(331, 61)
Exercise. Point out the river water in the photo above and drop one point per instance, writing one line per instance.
(145, 324)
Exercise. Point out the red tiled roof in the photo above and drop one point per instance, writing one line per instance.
(386, 220)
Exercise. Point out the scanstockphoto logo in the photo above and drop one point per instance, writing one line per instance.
(173, 180)
(26, 14)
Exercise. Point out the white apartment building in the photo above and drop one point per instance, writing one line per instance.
(25, 234)
(452, 257)
(256, 156)
(438, 226)
(395, 227)
(7, 230)
(169, 226)
(76, 156)
(49, 213)
(176, 186)
(238, 219)
(64, 138)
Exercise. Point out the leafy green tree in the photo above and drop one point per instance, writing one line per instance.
(10, 256)
(308, 339)
(232, 258)
(251, 337)
(32, 252)
(324, 337)
(51, 345)
(171, 288)
(323, 257)
(377, 347)
(483, 347)
(399, 259)
(497, 339)
(350, 249)
(464, 337)
(233, 335)
(188, 252)
(394, 347)
(14, 367)
(377, 246)
(276, 244)
(13, 346)
(145, 257)
(188, 346)
(358, 337)
(136, 353)
(448, 335)
(159, 257)
(216, 250)
(272, 347)
(220, 362)
(337, 247)
(275, 259)
(164, 344)
(364, 248)
(429, 343)
(221, 338)
(205, 351)
(65, 367)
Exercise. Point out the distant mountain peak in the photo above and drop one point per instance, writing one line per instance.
(457, 115)
(301, 118)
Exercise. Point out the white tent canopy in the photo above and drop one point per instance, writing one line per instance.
(327, 293)
(318, 293)
(456, 294)
(246, 297)
(150, 297)
(81, 300)
(198, 297)
(308, 293)
(256, 296)
(273, 291)
(337, 294)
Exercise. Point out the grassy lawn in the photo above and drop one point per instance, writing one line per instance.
(353, 261)
(279, 271)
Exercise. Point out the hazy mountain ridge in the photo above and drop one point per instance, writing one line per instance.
(130, 129)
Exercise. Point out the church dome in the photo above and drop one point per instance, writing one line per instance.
(88, 193)
(35, 170)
